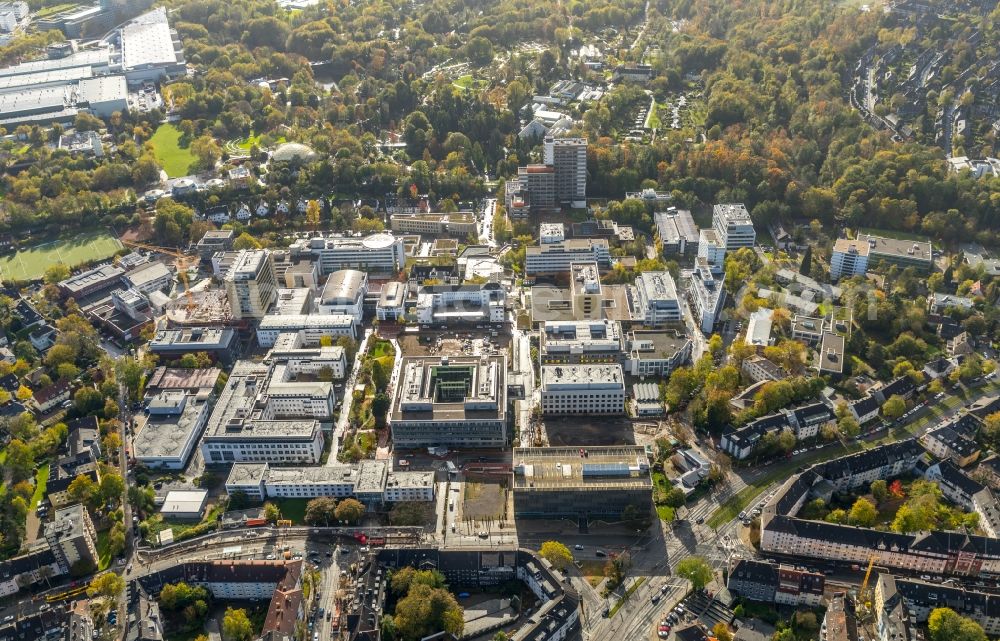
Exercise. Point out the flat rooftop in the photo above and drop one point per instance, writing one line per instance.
(237, 415)
(556, 377)
(102, 274)
(147, 41)
(166, 435)
(918, 250)
(564, 468)
(451, 388)
(202, 337)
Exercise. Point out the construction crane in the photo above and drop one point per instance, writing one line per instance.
(863, 594)
(182, 262)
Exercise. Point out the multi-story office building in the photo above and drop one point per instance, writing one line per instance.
(539, 181)
(312, 327)
(556, 258)
(251, 284)
(174, 424)
(218, 342)
(380, 253)
(71, 537)
(731, 221)
(457, 225)
(582, 389)
(576, 342)
(91, 281)
(849, 258)
(391, 304)
(344, 293)
(708, 295)
(655, 353)
(712, 250)
(446, 304)
(597, 483)
(378, 484)
(903, 253)
(291, 350)
(517, 199)
(568, 156)
(149, 278)
(655, 299)
(263, 415)
(452, 401)
(677, 231)
(215, 240)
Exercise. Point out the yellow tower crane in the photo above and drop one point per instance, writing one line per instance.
(181, 263)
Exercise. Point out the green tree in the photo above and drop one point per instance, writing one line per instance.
(944, 624)
(111, 488)
(848, 426)
(674, 497)
(863, 513)
(425, 610)
(721, 632)
(108, 585)
(271, 512)
(321, 510)
(56, 273)
(894, 407)
(696, 570)
(88, 400)
(236, 625)
(836, 516)
(350, 510)
(246, 241)
(557, 554)
(879, 490)
(806, 265)
(82, 489)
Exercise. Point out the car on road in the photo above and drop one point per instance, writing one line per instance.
(655, 597)
(701, 519)
(600, 553)
(577, 547)
(484, 534)
(664, 588)
(663, 632)
(270, 557)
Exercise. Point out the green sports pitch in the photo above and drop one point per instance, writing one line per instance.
(30, 263)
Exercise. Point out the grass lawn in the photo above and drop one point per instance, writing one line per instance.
(48, 11)
(103, 553)
(174, 159)
(654, 117)
(468, 83)
(249, 141)
(665, 512)
(593, 571)
(293, 509)
(41, 480)
(84, 247)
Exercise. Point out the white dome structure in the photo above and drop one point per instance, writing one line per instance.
(290, 151)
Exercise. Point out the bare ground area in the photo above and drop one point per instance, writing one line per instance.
(483, 500)
(581, 431)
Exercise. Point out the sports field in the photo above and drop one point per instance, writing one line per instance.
(31, 263)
